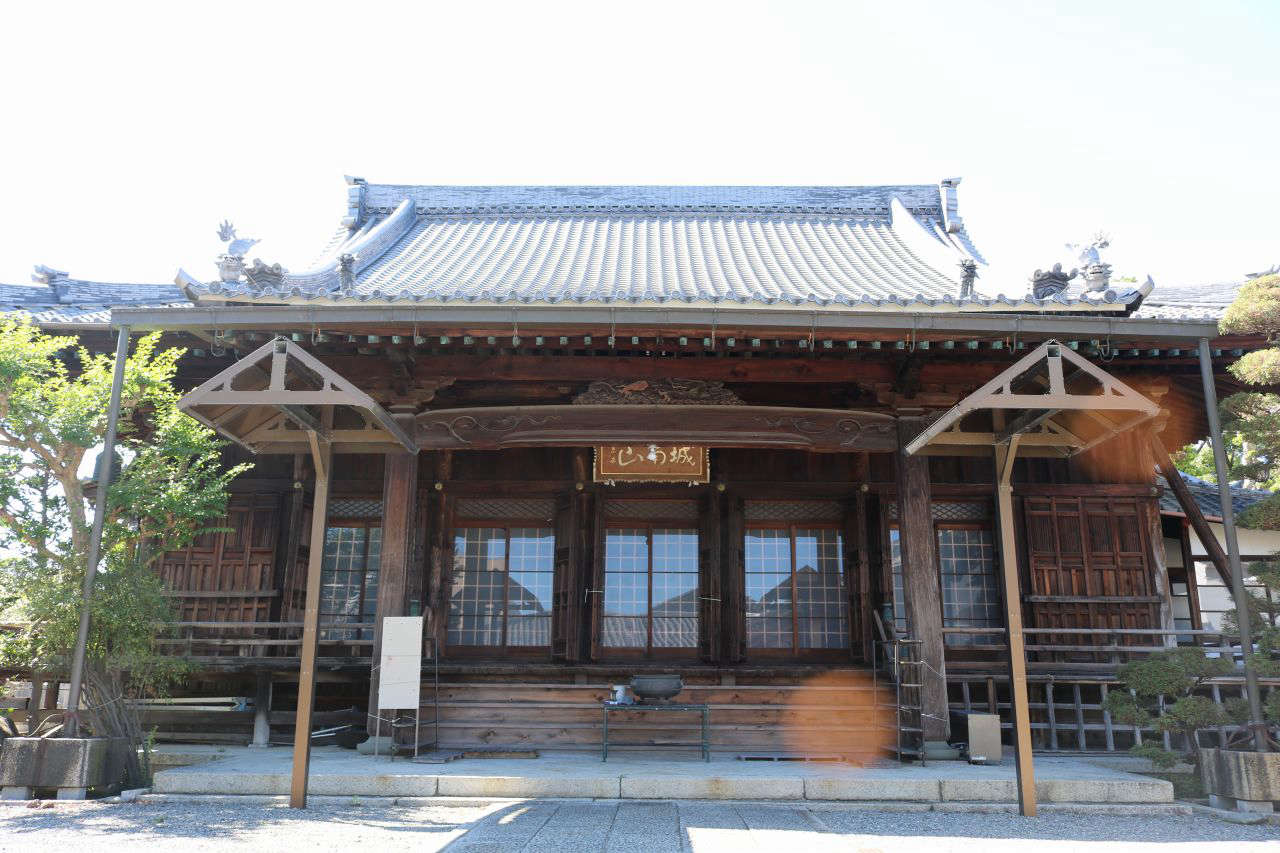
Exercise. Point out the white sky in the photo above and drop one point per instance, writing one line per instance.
(131, 130)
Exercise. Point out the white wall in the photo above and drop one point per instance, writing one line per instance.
(1215, 597)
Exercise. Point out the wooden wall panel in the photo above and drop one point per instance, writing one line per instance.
(1090, 566)
(229, 575)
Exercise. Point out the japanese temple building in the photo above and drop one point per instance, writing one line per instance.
(747, 434)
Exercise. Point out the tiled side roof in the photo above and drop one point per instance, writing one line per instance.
(1194, 302)
(58, 301)
(894, 247)
(1207, 498)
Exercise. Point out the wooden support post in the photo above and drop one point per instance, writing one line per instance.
(921, 582)
(1160, 570)
(322, 456)
(1191, 510)
(1013, 620)
(437, 599)
(399, 514)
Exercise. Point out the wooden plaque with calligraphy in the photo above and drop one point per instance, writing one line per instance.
(652, 463)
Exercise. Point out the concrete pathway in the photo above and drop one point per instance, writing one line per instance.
(344, 773)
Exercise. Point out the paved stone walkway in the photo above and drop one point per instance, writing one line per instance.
(584, 825)
(344, 773)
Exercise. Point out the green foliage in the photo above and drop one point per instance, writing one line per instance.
(1250, 419)
(1197, 460)
(53, 404)
(1158, 756)
(1264, 515)
(1256, 309)
(1176, 675)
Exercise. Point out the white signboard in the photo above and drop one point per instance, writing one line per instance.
(400, 671)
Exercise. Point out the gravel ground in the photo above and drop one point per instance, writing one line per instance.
(561, 825)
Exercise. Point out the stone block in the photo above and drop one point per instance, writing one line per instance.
(55, 762)
(1251, 778)
(1136, 789)
(871, 788)
(979, 790)
(16, 792)
(607, 787)
(712, 788)
(200, 780)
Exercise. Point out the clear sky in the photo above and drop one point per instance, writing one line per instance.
(131, 130)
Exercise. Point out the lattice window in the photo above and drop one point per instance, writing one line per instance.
(352, 508)
(645, 510)
(970, 588)
(977, 510)
(502, 579)
(967, 573)
(650, 588)
(795, 595)
(794, 511)
(349, 580)
(498, 509)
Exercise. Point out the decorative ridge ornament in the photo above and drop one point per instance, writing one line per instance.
(1047, 284)
(1096, 272)
(231, 262)
(968, 272)
(658, 392)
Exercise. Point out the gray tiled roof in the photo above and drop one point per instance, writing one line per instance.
(1194, 302)
(56, 301)
(891, 247)
(1207, 498)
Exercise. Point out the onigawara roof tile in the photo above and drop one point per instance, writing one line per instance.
(894, 247)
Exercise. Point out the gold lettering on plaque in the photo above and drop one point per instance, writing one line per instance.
(665, 463)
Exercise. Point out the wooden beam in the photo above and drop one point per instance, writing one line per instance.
(499, 427)
(399, 514)
(921, 581)
(1005, 454)
(1191, 509)
(321, 456)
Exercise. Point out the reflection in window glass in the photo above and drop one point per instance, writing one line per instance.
(349, 581)
(795, 589)
(970, 588)
(650, 588)
(501, 592)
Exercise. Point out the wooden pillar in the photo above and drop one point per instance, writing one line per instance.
(287, 542)
(1013, 620)
(322, 457)
(920, 580)
(438, 552)
(1160, 569)
(399, 519)
(1189, 564)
